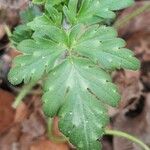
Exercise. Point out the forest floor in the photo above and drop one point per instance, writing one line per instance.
(25, 128)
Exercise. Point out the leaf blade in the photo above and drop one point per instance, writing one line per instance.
(77, 105)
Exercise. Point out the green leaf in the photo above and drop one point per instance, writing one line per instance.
(30, 13)
(75, 63)
(53, 13)
(52, 2)
(53, 34)
(74, 83)
(45, 51)
(55, 2)
(21, 33)
(50, 17)
(68, 92)
(40, 22)
(71, 11)
(93, 11)
(101, 44)
(39, 57)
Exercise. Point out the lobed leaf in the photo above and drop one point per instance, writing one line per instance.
(75, 84)
(93, 11)
(101, 44)
(74, 81)
(30, 13)
(52, 2)
(76, 62)
(40, 22)
(23, 32)
(46, 19)
(55, 2)
(39, 57)
(56, 16)
(70, 92)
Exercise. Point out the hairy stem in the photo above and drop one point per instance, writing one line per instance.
(51, 136)
(127, 136)
(122, 22)
(23, 93)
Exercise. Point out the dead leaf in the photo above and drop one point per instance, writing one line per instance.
(136, 125)
(2, 31)
(48, 145)
(25, 141)
(9, 139)
(22, 112)
(35, 125)
(107, 143)
(139, 23)
(12, 4)
(6, 111)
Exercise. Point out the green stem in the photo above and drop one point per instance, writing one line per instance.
(56, 139)
(122, 22)
(8, 31)
(23, 93)
(127, 136)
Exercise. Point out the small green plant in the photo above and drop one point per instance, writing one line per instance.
(72, 49)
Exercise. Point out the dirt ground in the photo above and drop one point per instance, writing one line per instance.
(25, 128)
